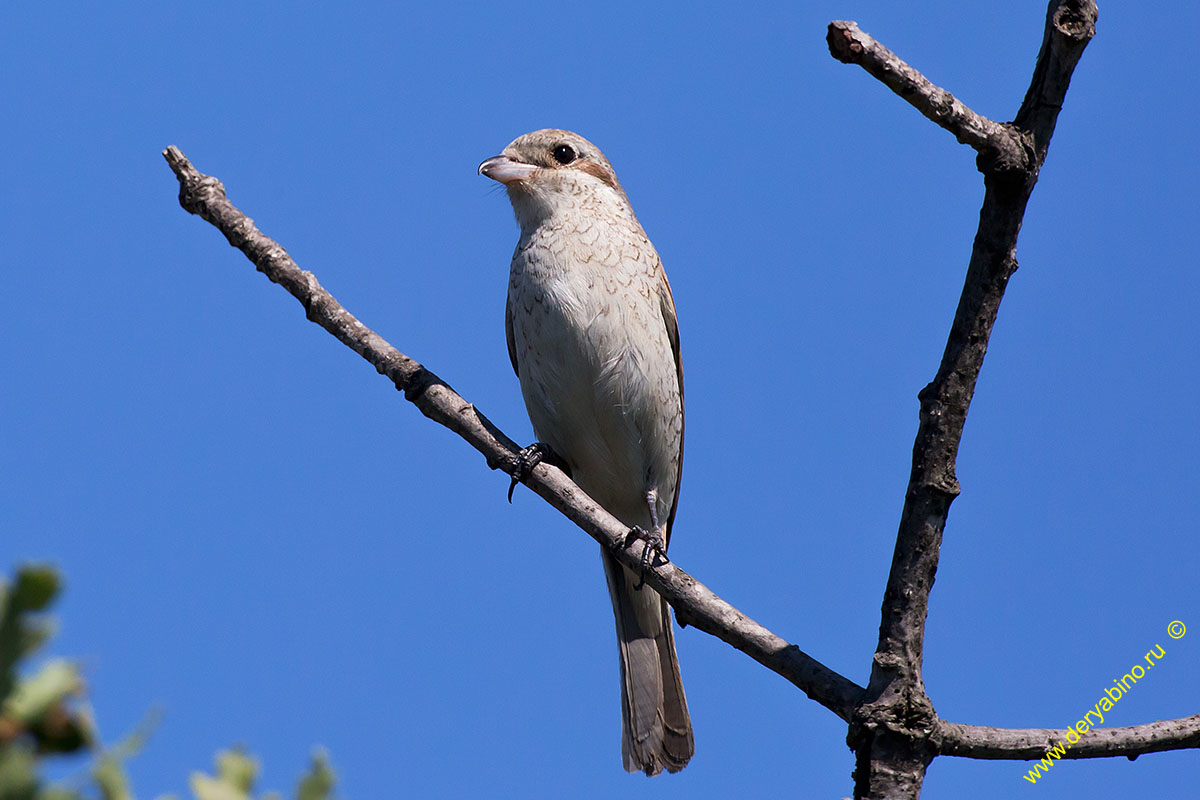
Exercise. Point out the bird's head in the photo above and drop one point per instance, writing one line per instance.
(550, 171)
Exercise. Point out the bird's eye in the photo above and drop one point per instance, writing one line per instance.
(564, 153)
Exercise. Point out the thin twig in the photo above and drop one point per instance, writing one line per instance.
(850, 45)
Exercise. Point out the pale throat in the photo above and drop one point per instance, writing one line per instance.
(535, 205)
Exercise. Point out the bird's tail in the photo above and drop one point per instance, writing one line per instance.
(656, 729)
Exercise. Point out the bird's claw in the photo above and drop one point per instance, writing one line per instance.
(655, 546)
(523, 464)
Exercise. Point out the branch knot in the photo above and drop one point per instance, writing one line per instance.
(1076, 19)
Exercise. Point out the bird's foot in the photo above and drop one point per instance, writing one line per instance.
(526, 460)
(655, 546)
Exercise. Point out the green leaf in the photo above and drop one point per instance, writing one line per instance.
(236, 771)
(18, 777)
(32, 590)
(36, 586)
(319, 782)
(33, 633)
(111, 778)
(59, 793)
(35, 696)
(205, 787)
(237, 767)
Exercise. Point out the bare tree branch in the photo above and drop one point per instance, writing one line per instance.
(694, 603)
(978, 741)
(850, 45)
(895, 732)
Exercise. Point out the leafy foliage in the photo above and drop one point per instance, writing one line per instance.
(43, 715)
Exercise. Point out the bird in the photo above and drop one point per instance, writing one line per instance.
(593, 337)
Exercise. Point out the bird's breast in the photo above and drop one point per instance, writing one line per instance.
(594, 357)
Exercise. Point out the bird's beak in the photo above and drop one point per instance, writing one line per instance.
(506, 170)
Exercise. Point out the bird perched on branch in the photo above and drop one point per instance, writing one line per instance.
(593, 338)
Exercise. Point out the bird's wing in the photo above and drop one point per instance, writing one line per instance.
(666, 303)
(508, 335)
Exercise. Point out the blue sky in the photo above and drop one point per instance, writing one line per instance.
(262, 538)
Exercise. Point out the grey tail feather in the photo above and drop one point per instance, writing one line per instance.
(656, 729)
